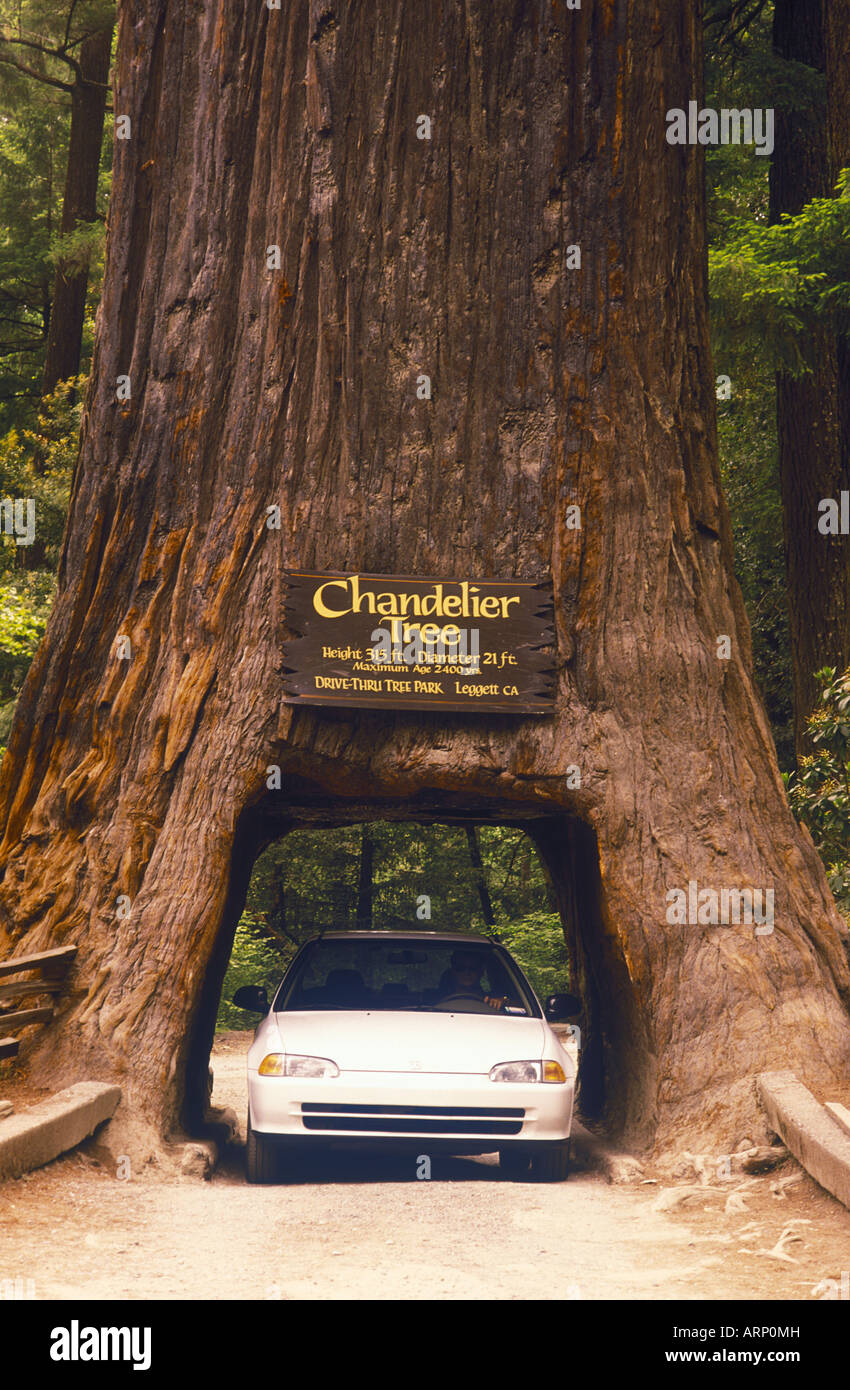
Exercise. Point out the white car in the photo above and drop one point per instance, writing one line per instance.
(422, 1040)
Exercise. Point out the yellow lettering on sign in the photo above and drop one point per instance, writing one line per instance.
(319, 603)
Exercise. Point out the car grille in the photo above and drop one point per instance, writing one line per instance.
(414, 1119)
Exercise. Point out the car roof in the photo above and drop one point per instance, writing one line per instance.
(411, 935)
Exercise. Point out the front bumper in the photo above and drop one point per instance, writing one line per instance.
(446, 1108)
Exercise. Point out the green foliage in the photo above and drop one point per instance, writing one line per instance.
(781, 283)
(740, 62)
(819, 792)
(35, 463)
(50, 21)
(81, 249)
(749, 469)
(22, 624)
(308, 881)
(33, 144)
(254, 960)
(537, 942)
(20, 629)
(34, 134)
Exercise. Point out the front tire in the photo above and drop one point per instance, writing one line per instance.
(551, 1163)
(261, 1157)
(513, 1164)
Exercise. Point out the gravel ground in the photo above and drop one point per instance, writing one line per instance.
(363, 1226)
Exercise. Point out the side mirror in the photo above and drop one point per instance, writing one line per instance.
(559, 1007)
(253, 998)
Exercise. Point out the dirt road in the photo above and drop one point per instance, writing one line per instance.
(364, 1227)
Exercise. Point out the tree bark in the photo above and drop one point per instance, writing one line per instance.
(813, 412)
(79, 205)
(147, 778)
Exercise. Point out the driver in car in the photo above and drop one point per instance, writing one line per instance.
(465, 978)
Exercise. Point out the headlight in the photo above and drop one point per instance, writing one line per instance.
(310, 1066)
(516, 1071)
(528, 1071)
(281, 1064)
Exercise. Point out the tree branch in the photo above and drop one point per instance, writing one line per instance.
(7, 348)
(50, 53)
(734, 17)
(510, 867)
(39, 76)
(71, 9)
(747, 17)
(722, 16)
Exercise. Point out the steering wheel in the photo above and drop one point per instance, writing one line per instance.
(447, 1002)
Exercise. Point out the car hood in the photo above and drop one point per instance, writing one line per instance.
(428, 1042)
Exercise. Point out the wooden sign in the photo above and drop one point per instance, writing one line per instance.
(395, 642)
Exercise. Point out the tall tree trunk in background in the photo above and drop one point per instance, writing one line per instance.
(812, 411)
(139, 774)
(479, 876)
(88, 105)
(837, 57)
(364, 881)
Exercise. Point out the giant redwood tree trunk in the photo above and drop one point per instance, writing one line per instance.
(551, 385)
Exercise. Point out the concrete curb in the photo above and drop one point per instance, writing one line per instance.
(53, 1126)
(809, 1131)
(839, 1113)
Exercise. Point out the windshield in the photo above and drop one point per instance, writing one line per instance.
(393, 973)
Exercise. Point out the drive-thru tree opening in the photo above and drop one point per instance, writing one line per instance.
(255, 411)
(424, 876)
(403, 901)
